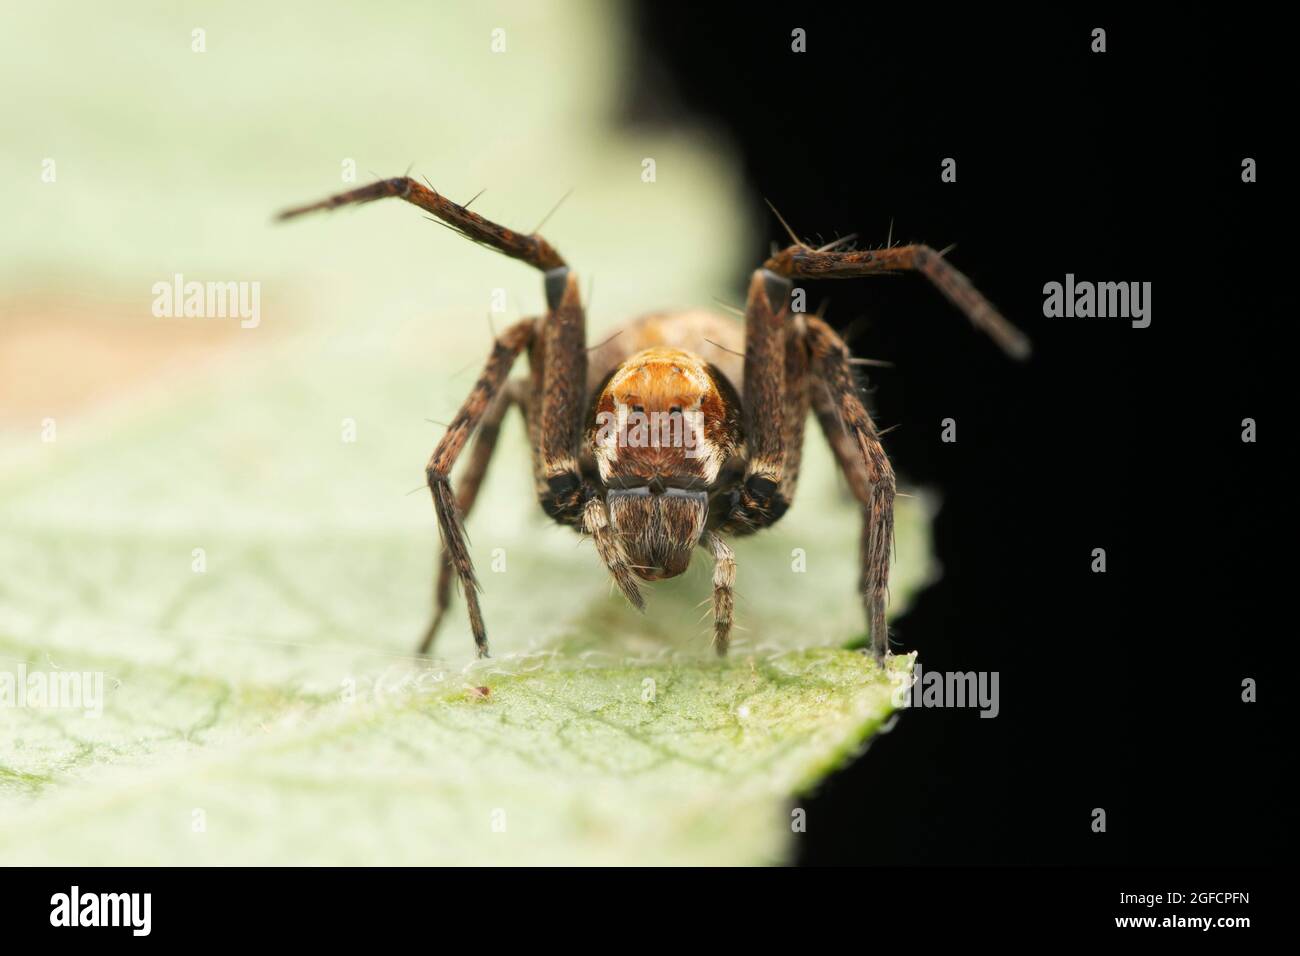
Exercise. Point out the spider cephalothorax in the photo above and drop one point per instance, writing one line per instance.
(681, 430)
(663, 426)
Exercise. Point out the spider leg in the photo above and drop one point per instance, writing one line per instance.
(556, 404)
(450, 521)
(802, 262)
(856, 444)
(556, 415)
(724, 580)
(776, 406)
(595, 522)
(555, 408)
(467, 488)
(532, 249)
(561, 400)
(795, 413)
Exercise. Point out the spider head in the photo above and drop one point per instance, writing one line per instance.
(662, 426)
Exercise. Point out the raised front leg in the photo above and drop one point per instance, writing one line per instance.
(532, 249)
(803, 262)
(555, 410)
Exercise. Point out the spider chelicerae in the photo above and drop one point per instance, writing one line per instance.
(683, 429)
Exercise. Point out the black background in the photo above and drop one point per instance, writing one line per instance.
(1119, 690)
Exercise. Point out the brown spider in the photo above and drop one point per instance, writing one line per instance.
(681, 430)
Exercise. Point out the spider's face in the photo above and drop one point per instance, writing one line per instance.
(661, 429)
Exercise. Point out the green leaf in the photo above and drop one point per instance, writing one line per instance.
(273, 697)
(559, 764)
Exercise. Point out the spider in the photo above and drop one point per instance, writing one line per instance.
(684, 429)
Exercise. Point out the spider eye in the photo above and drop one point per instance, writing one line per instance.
(675, 410)
(638, 409)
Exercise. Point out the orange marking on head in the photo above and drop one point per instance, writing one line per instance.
(662, 415)
(657, 379)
